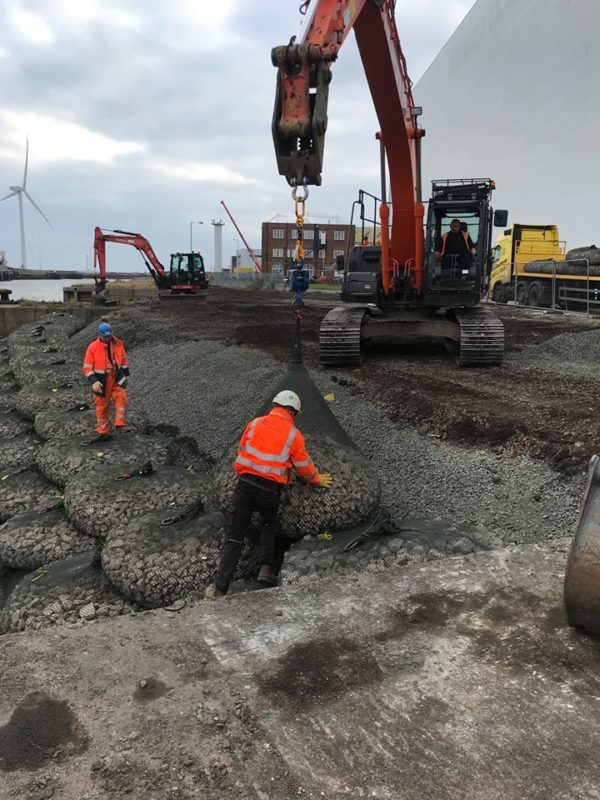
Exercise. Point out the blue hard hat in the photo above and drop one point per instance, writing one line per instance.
(104, 329)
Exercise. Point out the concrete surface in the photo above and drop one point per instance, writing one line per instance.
(458, 679)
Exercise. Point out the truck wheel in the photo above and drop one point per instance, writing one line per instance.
(521, 293)
(498, 293)
(534, 296)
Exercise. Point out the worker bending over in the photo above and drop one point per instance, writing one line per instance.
(106, 367)
(270, 448)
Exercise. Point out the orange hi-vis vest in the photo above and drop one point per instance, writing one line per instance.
(97, 365)
(465, 237)
(271, 447)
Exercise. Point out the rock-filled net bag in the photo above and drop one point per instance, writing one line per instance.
(379, 545)
(8, 383)
(61, 459)
(68, 591)
(79, 420)
(161, 556)
(306, 510)
(19, 452)
(51, 370)
(13, 424)
(25, 490)
(34, 398)
(6, 368)
(35, 538)
(97, 501)
(8, 399)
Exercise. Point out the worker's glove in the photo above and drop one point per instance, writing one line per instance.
(97, 387)
(325, 480)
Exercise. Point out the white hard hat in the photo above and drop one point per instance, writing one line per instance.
(288, 398)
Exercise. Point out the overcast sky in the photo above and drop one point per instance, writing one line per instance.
(143, 115)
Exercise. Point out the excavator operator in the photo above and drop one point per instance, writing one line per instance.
(270, 448)
(106, 367)
(455, 247)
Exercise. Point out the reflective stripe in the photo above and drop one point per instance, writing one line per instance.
(260, 468)
(308, 463)
(120, 408)
(88, 366)
(99, 371)
(280, 458)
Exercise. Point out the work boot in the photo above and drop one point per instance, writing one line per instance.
(212, 593)
(267, 576)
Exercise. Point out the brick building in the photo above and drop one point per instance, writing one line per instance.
(279, 241)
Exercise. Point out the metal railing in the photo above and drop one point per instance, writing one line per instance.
(564, 295)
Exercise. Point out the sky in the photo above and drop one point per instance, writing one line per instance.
(143, 115)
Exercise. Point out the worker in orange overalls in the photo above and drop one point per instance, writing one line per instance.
(106, 367)
(270, 448)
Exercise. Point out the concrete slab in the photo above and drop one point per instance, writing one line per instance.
(457, 679)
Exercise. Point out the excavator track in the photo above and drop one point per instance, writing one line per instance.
(481, 338)
(339, 336)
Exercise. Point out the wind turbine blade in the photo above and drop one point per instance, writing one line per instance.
(12, 194)
(26, 162)
(35, 205)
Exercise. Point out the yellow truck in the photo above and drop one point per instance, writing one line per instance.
(531, 266)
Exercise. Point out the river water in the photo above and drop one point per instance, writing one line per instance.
(40, 290)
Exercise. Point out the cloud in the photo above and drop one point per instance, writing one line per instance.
(198, 171)
(57, 140)
(31, 26)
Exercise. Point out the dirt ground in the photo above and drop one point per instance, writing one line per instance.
(516, 408)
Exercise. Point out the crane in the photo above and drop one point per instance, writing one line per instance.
(186, 275)
(251, 252)
(407, 285)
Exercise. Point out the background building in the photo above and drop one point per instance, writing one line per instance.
(513, 95)
(279, 239)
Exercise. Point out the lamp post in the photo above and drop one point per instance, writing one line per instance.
(194, 222)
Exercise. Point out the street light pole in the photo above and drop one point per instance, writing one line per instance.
(197, 222)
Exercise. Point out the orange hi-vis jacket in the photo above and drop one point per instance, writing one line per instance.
(465, 237)
(98, 366)
(271, 447)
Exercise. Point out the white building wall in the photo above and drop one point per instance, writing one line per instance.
(515, 95)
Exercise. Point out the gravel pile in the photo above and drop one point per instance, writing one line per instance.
(79, 420)
(518, 499)
(30, 540)
(61, 459)
(13, 424)
(576, 354)
(96, 503)
(24, 490)
(19, 452)
(305, 510)
(68, 591)
(412, 542)
(153, 564)
(33, 398)
(223, 388)
(129, 324)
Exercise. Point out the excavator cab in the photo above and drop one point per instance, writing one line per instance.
(459, 221)
(187, 273)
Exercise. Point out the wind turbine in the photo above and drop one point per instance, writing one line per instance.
(19, 191)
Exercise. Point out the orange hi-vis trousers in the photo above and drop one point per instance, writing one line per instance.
(119, 396)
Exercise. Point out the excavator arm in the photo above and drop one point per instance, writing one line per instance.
(300, 116)
(101, 236)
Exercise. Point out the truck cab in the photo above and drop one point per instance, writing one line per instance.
(519, 245)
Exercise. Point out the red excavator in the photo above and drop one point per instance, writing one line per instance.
(404, 283)
(186, 275)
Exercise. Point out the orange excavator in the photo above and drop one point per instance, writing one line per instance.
(409, 283)
(186, 275)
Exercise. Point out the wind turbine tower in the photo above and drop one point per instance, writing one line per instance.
(218, 226)
(19, 191)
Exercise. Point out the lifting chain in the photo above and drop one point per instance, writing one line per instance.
(300, 280)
